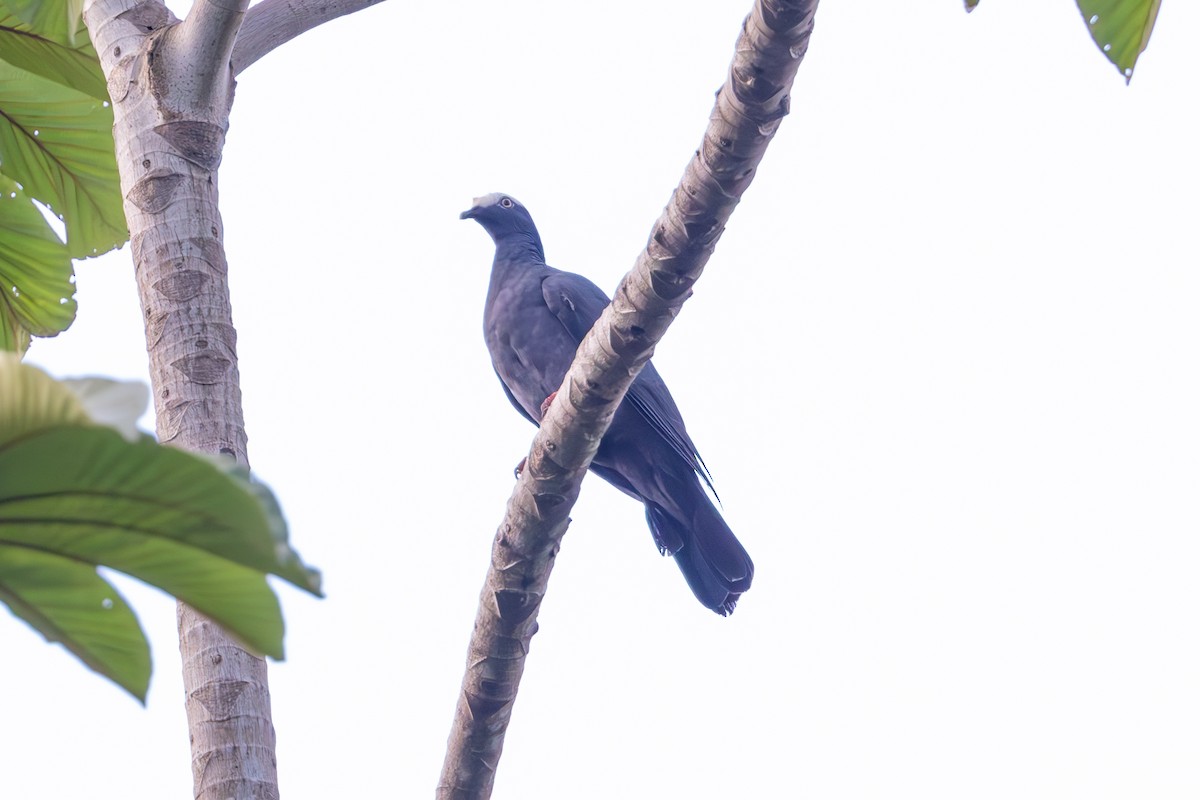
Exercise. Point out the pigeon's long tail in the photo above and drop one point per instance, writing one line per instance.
(711, 558)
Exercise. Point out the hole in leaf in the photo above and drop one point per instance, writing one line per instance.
(52, 219)
(1095, 18)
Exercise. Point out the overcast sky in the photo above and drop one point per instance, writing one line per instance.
(943, 365)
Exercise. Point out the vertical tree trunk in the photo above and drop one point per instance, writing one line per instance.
(171, 88)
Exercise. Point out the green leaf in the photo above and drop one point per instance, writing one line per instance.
(70, 604)
(61, 20)
(57, 144)
(78, 493)
(30, 401)
(75, 65)
(14, 337)
(970, 4)
(117, 404)
(1121, 28)
(37, 278)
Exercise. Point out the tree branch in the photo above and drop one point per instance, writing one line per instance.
(206, 38)
(273, 22)
(748, 110)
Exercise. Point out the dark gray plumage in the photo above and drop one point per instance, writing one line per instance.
(534, 319)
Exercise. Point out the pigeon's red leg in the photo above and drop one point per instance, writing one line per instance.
(519, 469)
(546, 403)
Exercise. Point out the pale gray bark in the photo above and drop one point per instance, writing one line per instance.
(171, 85)
(273, 22)
(748, 110)
(168, 149)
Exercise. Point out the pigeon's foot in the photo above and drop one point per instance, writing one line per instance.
(546, 403)
(519, 468)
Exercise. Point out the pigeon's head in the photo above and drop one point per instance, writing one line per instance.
(504, 218)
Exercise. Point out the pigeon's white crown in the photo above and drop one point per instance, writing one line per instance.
(493, 199)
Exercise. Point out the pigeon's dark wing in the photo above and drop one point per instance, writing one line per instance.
(512, 399)
(578, 303)
(650, 397)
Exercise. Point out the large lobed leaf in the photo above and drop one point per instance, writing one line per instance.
(1121, 28)
(69, 603)
(56, 147)
(74, 495)
(56, 142)
(59, 20)
(37, 289)
(49, 52)
(117, 404)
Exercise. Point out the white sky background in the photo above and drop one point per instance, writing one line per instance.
(943, 365)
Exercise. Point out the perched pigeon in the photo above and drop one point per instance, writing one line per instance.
(534, 319)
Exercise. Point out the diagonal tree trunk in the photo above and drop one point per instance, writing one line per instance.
(748, 110)
(171, 84)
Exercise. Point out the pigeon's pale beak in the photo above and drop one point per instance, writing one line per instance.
(472, 212)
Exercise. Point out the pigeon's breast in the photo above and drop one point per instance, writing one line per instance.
(530, 349)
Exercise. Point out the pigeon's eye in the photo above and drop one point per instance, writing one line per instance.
(505, 202)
